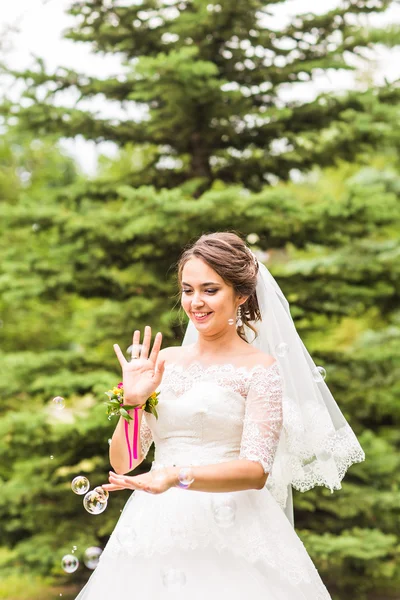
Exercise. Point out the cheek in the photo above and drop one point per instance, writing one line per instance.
(185, 302)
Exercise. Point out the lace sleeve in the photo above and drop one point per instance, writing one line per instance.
(263, 417)
(146, 437)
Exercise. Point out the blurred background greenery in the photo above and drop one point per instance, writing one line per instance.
(313, 186)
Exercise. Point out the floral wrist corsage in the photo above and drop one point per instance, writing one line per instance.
(116, 407)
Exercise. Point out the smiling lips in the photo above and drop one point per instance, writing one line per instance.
(201, 316)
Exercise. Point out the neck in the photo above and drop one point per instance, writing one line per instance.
(223, 341)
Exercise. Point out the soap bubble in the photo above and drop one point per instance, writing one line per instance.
(91, 557)
(253, 238)
(94, 502)
(282, 349)
(185, 476)
(74, 548)
(35, 227)
(80, 485)
(51, 457)
(59, 402)
(109, 441)
(102, 492)
(173, 578)
(224, 509)
(319, 374)
(69, 563)
(134, 350)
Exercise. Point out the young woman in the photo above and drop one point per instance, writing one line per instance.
(243, 415)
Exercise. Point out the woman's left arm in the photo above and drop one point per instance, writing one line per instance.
(232, 476)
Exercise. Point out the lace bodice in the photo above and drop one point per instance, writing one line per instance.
(215, 414)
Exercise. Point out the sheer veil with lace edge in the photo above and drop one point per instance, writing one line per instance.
(317, 445)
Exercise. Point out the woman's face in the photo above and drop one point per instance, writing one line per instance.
(207, 300)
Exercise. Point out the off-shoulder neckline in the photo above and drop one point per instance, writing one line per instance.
(227, 367)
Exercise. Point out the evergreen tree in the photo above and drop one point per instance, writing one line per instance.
(204, 81)
(84, 262)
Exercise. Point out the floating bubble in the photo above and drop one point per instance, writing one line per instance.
(74, 548)
(91, 557)
(319, 374)
(134, 350)
(253, 238)
(102, 492)
(80, 485)
(173, 578)
(35, 227)
(69, 563)
(185, 477)
(94, 503)
(51, 457)
(282, 349)
(224, 509)
(59, 402)
(109, 441)
(231, 321)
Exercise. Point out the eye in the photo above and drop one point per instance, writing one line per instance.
(186, 291)
(211, 291)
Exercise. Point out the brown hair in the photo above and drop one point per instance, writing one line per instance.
(228, 255)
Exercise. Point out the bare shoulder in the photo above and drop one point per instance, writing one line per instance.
(256, 358)
(172, 354)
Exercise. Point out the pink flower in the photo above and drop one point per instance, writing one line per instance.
(120, 385)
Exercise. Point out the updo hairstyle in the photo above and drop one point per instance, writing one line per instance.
(227, 254)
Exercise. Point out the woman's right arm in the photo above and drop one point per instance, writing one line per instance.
(141, 376)
(119, 455)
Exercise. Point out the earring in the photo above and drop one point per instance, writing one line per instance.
(239, 321)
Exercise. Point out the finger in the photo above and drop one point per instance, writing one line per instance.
(146, 342)
(134, 484)
(159, 372)
(135, 349)
(121, 358)
(110, 487)
(120, 479)
(156, 347)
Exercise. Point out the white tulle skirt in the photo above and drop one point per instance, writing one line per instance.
(172, 546)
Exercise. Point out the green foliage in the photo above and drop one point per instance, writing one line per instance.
(86, 261)
(202, 87)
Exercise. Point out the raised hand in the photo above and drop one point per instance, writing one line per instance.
(143, 374)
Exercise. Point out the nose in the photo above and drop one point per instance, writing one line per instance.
(197, 301)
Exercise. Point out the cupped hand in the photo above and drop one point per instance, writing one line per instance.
(146, 482)
(143, 374)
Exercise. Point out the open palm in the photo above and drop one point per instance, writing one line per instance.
(143, 374)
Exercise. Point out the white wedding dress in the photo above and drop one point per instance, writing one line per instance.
(175, 545)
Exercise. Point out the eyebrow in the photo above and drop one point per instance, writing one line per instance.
(203, 284)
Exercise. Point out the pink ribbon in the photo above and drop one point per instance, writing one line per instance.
(135, 436)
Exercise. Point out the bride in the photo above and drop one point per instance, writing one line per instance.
(243, 415)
